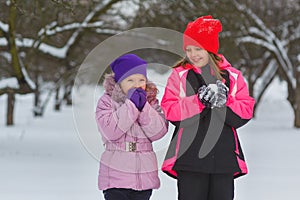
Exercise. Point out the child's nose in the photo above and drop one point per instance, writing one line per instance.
(137, 84)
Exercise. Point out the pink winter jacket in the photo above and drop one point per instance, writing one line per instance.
(178, 107)
(121, 123)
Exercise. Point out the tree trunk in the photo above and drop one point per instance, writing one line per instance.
(296, 106)
(297, 116)
(68, 94)
(37, 111)
(10, 108)
(57, 100)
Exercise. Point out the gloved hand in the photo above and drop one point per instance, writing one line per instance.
(207, 96)
(221, 95)
(138, 96)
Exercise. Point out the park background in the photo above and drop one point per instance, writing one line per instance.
(47, 87)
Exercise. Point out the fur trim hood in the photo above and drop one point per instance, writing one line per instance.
(114, 90)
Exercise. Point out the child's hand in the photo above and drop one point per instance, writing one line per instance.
(221, 96)
(138, 97)
(206, 95)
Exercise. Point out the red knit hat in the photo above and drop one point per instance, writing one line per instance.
(203, 32)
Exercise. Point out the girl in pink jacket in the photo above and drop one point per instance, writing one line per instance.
(207, 100)
(129, 119)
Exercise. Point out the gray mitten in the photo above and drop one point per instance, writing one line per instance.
(221, 95)
(206, 95)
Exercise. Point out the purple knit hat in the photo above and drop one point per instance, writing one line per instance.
(127, 65)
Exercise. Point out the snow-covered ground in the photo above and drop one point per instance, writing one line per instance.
(55, 157)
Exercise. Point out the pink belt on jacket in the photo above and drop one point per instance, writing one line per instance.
(129, 146)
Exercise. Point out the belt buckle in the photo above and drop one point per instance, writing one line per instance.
(131, 146)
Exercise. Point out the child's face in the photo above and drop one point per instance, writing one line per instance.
(198, 56)
(133, 81)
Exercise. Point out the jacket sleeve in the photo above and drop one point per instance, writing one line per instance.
(113, 121)
(239, 104)
(178, 107)
(230, 118)
(153, 122)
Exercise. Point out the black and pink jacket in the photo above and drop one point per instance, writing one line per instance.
(192, 119)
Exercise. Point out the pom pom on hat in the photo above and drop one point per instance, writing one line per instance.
(203, 32)
(127, 65)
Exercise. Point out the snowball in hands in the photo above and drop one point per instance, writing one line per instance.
(213, 88)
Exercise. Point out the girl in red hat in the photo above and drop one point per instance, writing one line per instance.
(129, 119)
(207, 100)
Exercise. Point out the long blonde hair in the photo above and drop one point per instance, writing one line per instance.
(213, 61)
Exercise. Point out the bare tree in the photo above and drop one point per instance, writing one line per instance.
(39, 42)
(25, 84)
(278, 41)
